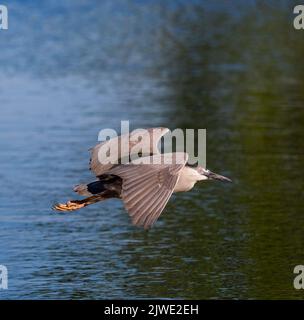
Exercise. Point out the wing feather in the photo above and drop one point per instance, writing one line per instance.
(153, 211)
(146, 188)
(149, 137)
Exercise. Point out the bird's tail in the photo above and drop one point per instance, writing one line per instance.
(91, 188)
(106, 188)
(82, 189)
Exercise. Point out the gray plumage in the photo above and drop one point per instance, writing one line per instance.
(145, 185)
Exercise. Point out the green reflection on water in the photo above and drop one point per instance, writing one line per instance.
(242, 79)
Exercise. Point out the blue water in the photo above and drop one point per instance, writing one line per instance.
(69, 69)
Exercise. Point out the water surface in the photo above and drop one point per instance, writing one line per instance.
(71, 69)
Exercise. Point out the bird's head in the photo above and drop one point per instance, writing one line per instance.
(209, 175)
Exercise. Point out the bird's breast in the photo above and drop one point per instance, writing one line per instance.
(186, 180)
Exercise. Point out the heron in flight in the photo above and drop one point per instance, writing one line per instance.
(145, 184)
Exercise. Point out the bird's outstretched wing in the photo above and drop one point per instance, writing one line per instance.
(101, 161)
(146, 188)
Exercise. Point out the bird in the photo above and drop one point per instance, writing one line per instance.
(144, 184)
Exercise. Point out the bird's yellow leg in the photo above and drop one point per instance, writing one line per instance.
(69, 206)
(77, 204)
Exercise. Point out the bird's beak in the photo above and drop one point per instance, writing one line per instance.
(214, 176)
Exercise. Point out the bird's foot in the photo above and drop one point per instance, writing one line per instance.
(69, 206)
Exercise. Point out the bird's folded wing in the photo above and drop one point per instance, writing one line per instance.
(109, 153)
(146, 188)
